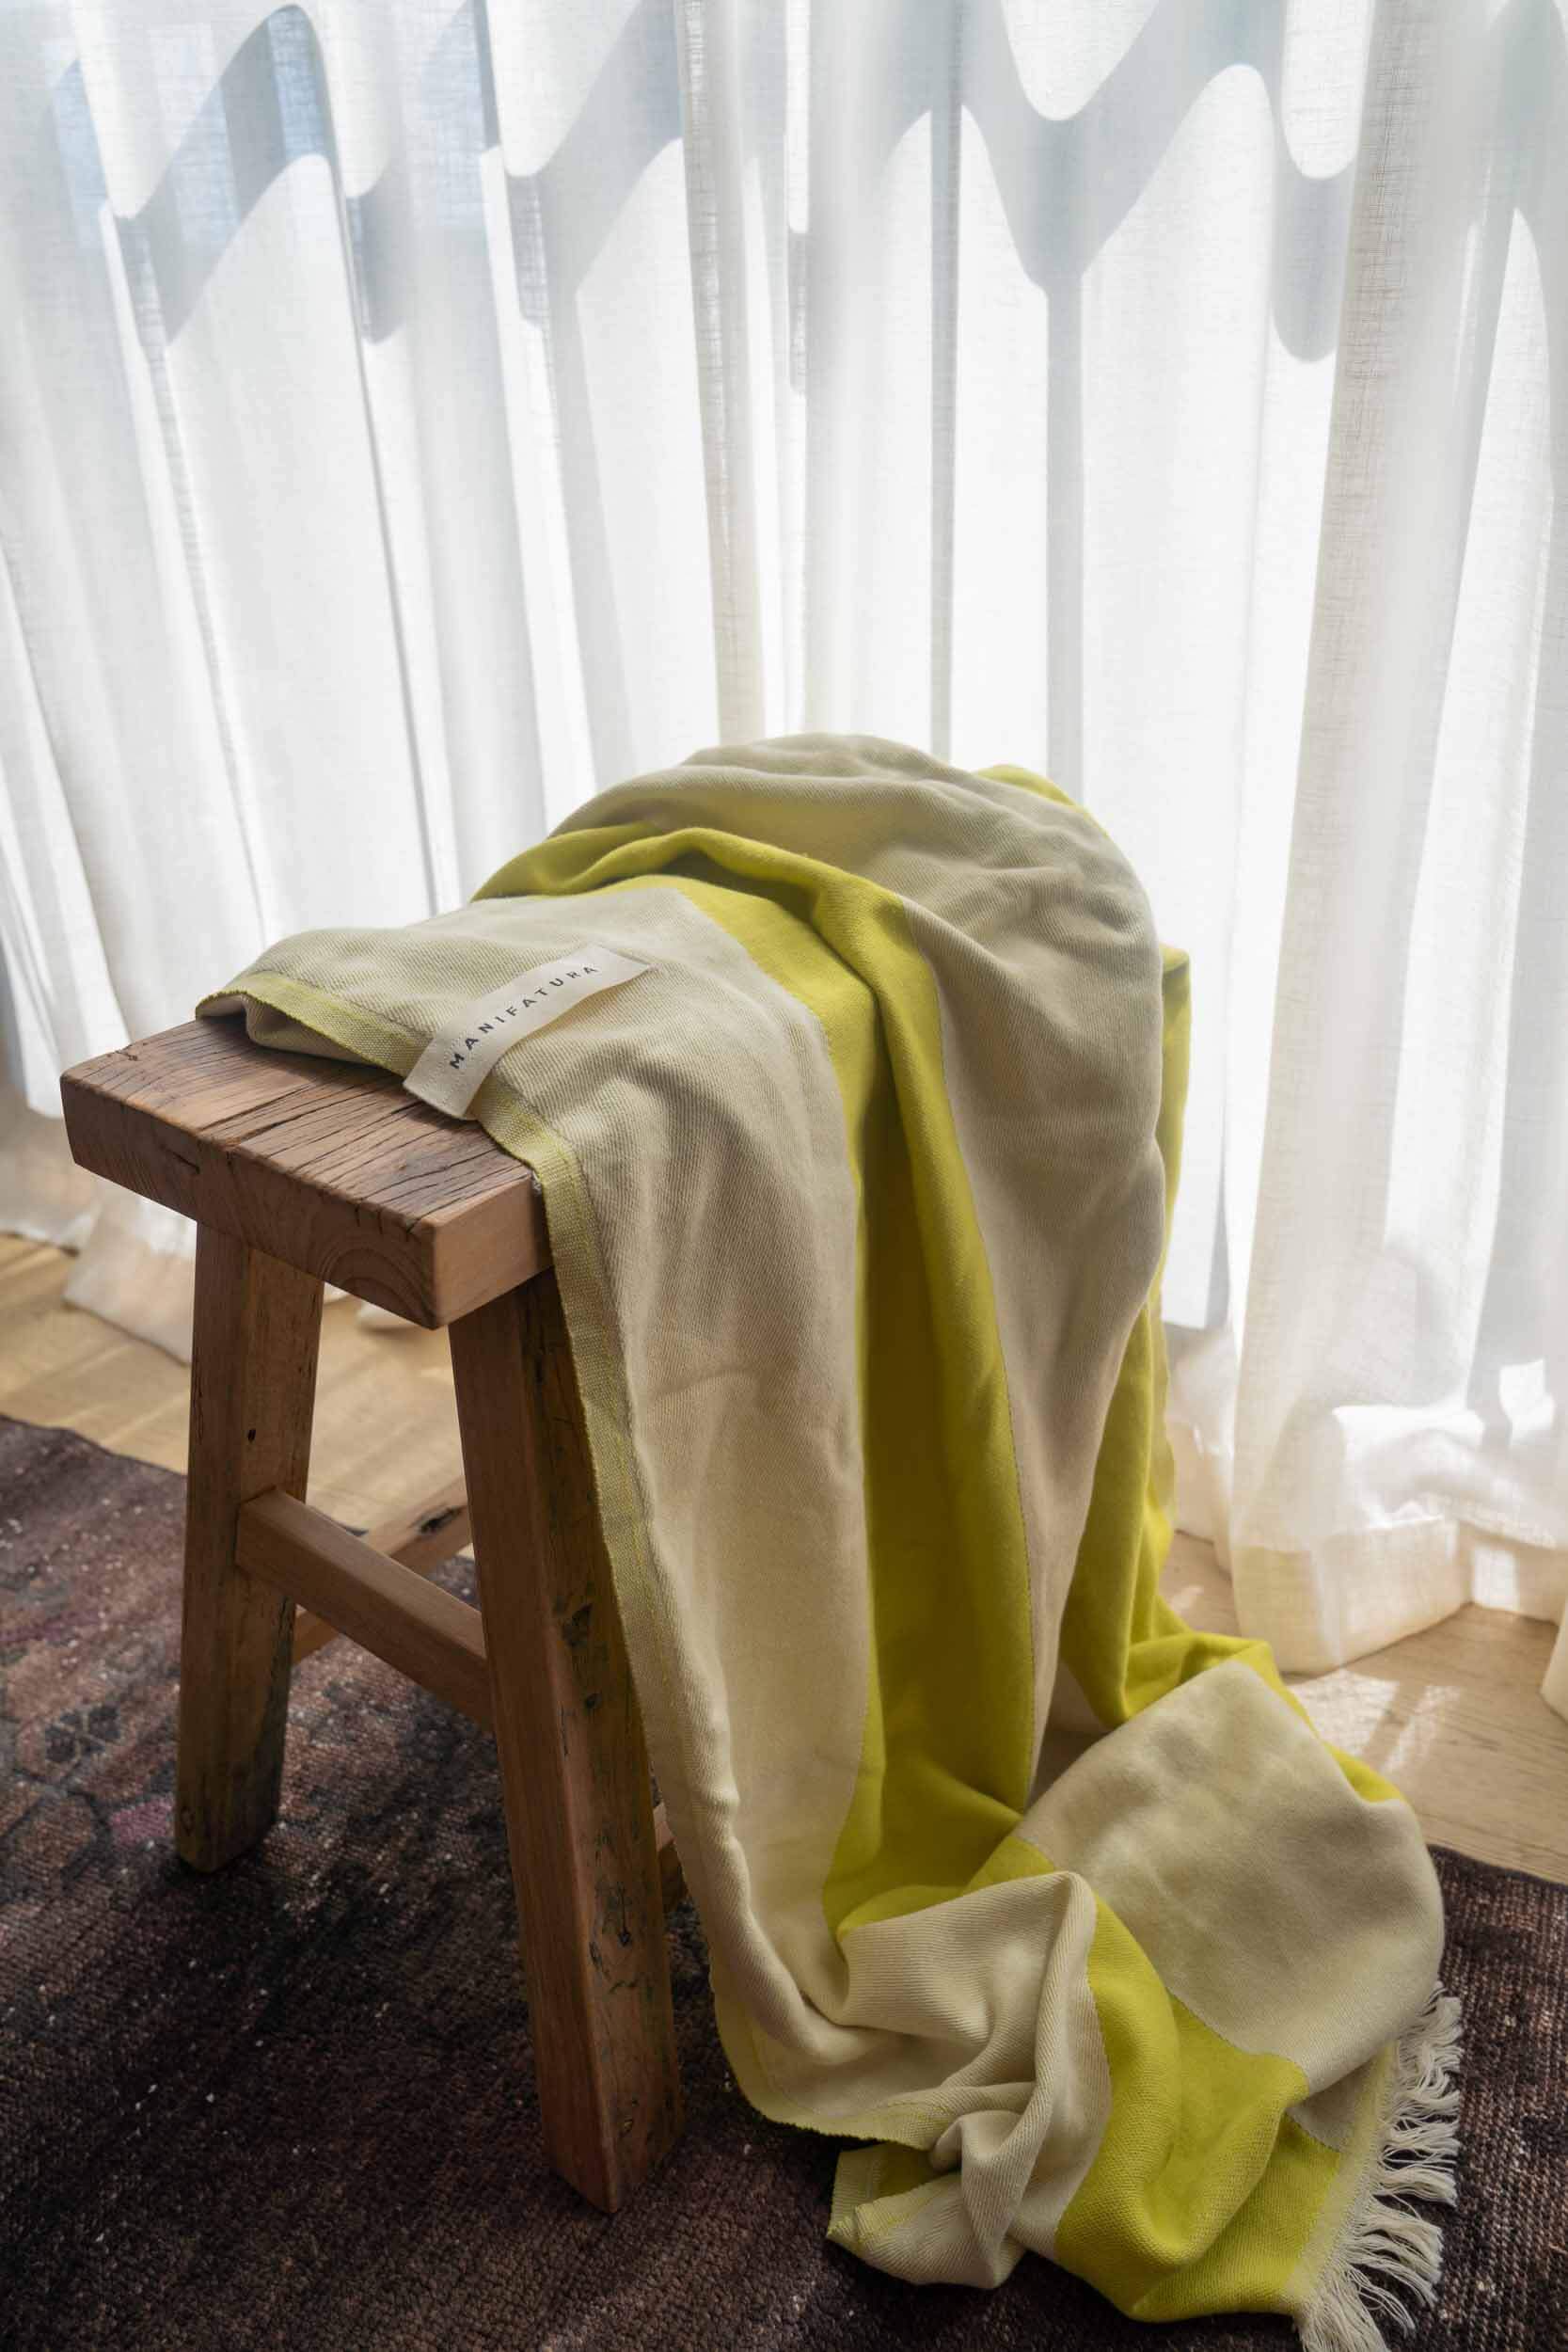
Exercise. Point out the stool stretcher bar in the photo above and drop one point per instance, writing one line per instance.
(421, 1538)
(353, 1587)
(422, 1630)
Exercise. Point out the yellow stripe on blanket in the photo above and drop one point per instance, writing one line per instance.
(857, 1198)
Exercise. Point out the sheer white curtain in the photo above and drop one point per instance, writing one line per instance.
(414, 417)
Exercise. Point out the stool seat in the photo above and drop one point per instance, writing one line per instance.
(301, 1170)
(328, 1165)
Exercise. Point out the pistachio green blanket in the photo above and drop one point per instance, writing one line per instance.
(856, 1188)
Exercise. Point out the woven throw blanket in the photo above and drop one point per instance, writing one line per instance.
(853, 1083)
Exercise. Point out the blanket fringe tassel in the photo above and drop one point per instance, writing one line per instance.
(1386, 2252)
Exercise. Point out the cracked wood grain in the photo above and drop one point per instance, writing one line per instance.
(327, 1164)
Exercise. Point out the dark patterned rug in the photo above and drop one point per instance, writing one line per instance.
(292, 2106)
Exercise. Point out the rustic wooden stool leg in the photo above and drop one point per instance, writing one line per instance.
(573, 1767)
(253, 1378)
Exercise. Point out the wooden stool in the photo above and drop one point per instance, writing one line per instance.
(300, 1172)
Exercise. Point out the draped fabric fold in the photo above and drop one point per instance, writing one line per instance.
(414, 417)
(857, 1189)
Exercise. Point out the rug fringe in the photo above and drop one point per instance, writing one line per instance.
(1385, 2245)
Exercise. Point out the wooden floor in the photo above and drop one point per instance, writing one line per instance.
(1454, 1714)
(386, 1427)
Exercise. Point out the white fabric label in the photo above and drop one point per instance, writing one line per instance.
(461, 1055)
